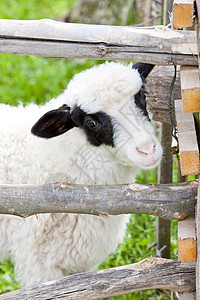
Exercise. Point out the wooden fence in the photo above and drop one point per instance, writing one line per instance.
(48, 38)
(159, 45)
(171, 202)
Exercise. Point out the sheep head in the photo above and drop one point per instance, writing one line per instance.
(107, 103)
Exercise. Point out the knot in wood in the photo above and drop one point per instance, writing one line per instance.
(103, 50)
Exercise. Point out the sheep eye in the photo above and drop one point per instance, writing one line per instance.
(91, 124)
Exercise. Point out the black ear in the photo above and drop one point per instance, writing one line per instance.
(143, 69)
(53, 123)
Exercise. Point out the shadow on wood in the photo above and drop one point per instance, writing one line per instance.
(169, 201)
(150, 273)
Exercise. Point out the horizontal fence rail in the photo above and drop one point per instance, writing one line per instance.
(48, 38)
(168, 201)
(148, 274)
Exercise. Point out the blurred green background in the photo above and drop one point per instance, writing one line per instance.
(26, 79)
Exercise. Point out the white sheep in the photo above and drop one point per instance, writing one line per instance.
(97, 132)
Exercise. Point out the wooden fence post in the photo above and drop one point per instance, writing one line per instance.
(189, 163)
(189, 152)
(198, 199)
(187, 247)
(183, 13)
(165, 176)
(188, 147)
(165, 170)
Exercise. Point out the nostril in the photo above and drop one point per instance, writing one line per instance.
(146, 149)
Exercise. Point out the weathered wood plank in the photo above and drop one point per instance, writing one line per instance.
(91, 51)
(187, 246)
(163, 229)
(50, 38)
(197, 214)
(147, 274)
(198, 30)
(187, 239)
(169, 201)
(183, 13)
(167, 9)
(198, 10)
(157, 88)
(187, 296)
(190, 88)
(157, 38)
(163, 241)
(188, 147)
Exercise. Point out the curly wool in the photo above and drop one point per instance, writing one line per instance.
(50, 246)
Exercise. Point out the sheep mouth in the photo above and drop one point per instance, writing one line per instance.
(153, 164)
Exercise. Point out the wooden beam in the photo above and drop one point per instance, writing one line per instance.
(165, 169)
(187, 246)
(197, 214)
(187, 239)
(188, 147)
(187, 296)
(198, 10)
(169, 201)
(148, 274)
(190, 88)
(157, 88)
(198, 30)
(183, 11)
(48, 38)
(167, 10)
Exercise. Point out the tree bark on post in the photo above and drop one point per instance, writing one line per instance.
(197, 215)
(149, 273)
(163, 246)
(165, 176)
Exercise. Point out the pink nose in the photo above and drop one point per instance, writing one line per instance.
(147, 149)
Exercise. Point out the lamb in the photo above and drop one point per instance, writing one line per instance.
(98, 131)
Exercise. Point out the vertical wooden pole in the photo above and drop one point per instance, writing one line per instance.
(186, 228)
(165, 176)
(187, 239)
(166, 168)
(167, 10)
(197, 215)
(188, 146)
(187, 247)
(188, 244)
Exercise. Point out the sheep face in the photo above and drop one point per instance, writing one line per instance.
(107, 104)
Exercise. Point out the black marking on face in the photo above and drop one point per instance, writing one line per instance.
(143, 69)
(140, 98)
(53, 123)
(140, 101)
(97, 127)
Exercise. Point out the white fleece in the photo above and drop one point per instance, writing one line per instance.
(49, 246)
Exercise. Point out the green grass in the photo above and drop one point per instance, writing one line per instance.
(8, 282)
(31, 79)
(26, 79)
(34, 9)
